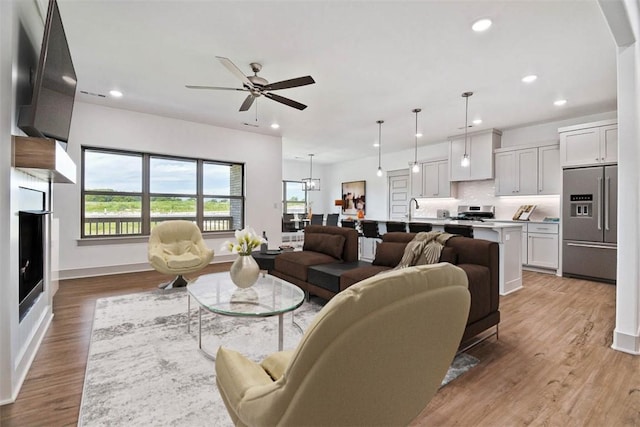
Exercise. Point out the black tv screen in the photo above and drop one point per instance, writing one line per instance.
(54, 84)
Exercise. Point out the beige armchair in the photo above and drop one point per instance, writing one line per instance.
(177, 248)
(374, 355)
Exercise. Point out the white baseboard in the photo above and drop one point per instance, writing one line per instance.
(78, 273)
(626, 343)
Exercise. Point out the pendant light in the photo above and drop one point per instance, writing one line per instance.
(311, 184)
(465, 162)
(416, 167)
(380, 122)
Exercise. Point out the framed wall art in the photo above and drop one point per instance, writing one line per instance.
(353, 197)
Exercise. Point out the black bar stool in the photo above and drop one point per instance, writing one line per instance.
(332, 219)
(462, 230)
(417, 227)
(370, 229)
(396, 226)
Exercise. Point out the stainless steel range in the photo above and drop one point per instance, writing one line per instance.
(475, 212)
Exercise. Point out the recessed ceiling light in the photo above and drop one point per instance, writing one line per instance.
(477, 121)
(560, 102)
(481, 25)
(115, 93)
(530, 78)
(275, 125)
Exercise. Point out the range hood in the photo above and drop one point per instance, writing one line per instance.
(43, 158)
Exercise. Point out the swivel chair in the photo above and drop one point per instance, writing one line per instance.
(177, 248)
(362, 361)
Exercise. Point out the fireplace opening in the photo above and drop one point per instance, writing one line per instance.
(31, 259)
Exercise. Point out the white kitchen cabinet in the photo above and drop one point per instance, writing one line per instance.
(479, 147)
(589, 144)
(542, 246)
(368, 246)
(517, 172)
(433, 181)
(549, 170)
(527, 171)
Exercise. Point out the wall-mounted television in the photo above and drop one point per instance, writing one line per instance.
(53, 84)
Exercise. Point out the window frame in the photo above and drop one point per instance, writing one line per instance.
(146, 195)
(285, 202)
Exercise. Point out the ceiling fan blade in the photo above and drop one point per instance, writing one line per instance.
(235, 71)
(213, 88)
(285, 84)
(285, 101)
(248, 102)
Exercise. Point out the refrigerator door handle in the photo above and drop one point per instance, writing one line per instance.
(585, 245)
(606, 203)
(599, 206)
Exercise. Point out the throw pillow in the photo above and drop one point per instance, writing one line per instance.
(411, 253)
(449, 255)
(329, 244)
(389, 254)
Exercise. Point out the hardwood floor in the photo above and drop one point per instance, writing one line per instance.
(552, 365)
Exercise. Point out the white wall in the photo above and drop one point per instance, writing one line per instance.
(98, 126)
(6, 310)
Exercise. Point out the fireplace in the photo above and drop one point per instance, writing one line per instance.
(31, 244)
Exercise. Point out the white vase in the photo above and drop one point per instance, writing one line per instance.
(244, 271)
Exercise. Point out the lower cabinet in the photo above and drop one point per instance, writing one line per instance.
(541, 246)
(368, 247)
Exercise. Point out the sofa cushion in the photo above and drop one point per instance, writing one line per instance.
(389, 254)
(479, 279)
(329, 244)
(356, 275)
(296, 263)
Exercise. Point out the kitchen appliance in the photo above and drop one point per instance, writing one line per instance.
(475, 212)
(589, 227)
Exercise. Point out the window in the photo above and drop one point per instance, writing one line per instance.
(128, 193)
(294, 198)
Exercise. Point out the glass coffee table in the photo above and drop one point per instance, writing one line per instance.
(269, 296)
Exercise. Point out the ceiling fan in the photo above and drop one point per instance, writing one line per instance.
(257, 86)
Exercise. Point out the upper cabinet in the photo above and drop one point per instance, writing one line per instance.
(589, 144)
(479, 147)
(527, 171)
(433, 181)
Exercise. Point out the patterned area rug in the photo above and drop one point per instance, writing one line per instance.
(145, 369)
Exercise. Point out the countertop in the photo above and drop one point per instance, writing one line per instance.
(476, 224)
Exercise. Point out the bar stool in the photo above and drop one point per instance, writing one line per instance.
(332, 219)
(348, 223)
(317, 219)
(462, 230)
(396, 226)
(370, 229)
(417, 227)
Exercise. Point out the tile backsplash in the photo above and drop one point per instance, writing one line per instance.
(483, 193)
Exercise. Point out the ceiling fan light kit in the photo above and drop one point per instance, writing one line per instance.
(466, 161)
(416, 167)
(258, 86)
(311, 184)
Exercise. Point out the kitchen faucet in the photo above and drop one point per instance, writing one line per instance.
(417, 206)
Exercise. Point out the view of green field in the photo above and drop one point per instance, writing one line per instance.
(96, 205)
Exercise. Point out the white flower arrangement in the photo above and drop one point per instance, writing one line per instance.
(246, 241)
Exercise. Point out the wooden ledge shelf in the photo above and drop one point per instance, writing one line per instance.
(43, 158)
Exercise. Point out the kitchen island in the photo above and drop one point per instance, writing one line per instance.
(507, 235)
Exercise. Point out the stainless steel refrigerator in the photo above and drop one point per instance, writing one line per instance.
(589, 228)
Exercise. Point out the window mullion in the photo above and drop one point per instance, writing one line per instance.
(146, 199)
(199, 194)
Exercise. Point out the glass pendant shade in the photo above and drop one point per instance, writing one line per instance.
(379, 173)
(415, 168)
(466, 161)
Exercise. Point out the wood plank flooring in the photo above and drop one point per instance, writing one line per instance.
(552, 365)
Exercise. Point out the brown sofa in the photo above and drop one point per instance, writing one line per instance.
(323, 274)
(322, 245)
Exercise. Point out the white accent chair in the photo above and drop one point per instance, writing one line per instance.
(374, 355)
(177, 248)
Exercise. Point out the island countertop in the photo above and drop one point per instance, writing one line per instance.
(493, 224)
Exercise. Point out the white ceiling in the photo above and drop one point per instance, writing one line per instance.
(370, 60)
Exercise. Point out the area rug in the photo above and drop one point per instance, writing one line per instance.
(144, 368)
